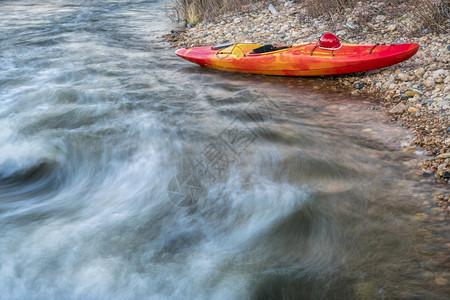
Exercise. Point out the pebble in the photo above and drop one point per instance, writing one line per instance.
(380, 18)
(351, 26)
(413, 92)
(359, 85)
(285, 28)
(419, 72)
(438, 80)
(439, 73)
(413, 110)
(392, 27)
(404, 97)
(273, 10)
(398, 109)
(429, 82)
(403, 76)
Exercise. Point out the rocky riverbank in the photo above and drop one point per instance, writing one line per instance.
(415, 93)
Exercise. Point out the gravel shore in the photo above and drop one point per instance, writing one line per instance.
(415, 93)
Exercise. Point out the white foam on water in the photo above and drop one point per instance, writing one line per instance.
(18, 154)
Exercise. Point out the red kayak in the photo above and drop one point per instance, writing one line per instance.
(326, 57)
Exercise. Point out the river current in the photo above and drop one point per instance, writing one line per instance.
(128, 173)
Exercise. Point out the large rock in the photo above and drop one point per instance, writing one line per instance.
(443, 155)
(398, 109)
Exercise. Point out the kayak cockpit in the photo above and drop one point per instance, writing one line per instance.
(247, 49)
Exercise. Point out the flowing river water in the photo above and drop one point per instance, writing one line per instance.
(128, 173)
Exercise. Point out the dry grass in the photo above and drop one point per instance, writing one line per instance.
(432, 14)
(193, 11)
(317, 8)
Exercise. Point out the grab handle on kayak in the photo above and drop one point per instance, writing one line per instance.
(370, 52)
(227, 53)
(317, 45)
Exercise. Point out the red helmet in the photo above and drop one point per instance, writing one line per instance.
(329, 41)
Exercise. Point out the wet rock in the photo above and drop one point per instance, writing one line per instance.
(364, 290)
(441, 281)
(410, 150)
(419, 217)
(359, 85)
(427, 275)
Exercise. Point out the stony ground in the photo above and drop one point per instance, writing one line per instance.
(415, 93)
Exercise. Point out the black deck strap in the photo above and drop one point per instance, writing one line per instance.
(264, 49)
(221, 46)
(370, 52)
